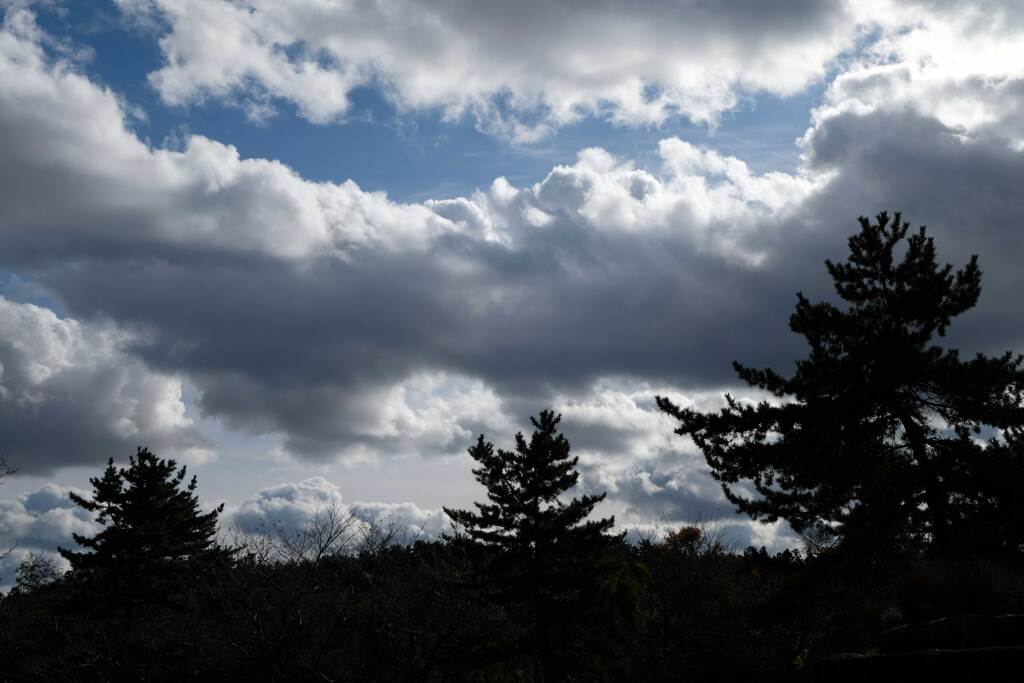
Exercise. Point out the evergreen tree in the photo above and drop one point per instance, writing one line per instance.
(153, 527)
(546, 548)
(875, 438)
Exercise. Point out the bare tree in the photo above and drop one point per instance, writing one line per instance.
(34, 572)
(332, 531)
(296, 588)
(5, 471)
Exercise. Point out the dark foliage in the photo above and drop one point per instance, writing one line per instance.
(545, 551)
(154, 534)
(874, 439)
(372, 612)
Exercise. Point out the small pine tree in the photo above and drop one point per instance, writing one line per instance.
(546, 547)
(874, 439)
(153, 527)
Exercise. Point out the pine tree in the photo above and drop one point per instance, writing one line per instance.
(153, 527)
(546, 548)
(875, 438)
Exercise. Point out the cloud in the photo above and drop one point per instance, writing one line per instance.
(524, 71)
(292, 507)
(287, 506)
(406, 522)
(202, 197)
(954, 62)
(353, 326)
(39, 522)
(519, 69)
(70, 394)
(962, 186)
(628, 449)
(733, 536)
(347, 323)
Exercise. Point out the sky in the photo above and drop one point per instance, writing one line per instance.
(312, 248)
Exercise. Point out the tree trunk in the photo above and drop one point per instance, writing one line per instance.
(542, 644)
(935, 495)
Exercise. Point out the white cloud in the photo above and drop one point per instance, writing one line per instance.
(428, 411)
(523, 70)
(292, 507)
(404, 522)
(287, 506)
(520, 68)
(958, 63)
(69, 393)
(39, 522)
(205, 198)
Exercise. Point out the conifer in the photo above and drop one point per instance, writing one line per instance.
(880, 435)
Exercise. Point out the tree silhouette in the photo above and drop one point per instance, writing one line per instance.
(546, 546)
(876, 436)
(34, 572)
(5, 470)
(153, 527)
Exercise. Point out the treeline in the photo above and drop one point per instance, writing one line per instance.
(682, 608)
(898, 463)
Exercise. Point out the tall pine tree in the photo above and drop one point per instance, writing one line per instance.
(153, 530)
(879, 436)
(545, 548)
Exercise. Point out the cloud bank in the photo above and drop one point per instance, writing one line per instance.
(354, 326)
(520, 69)
(526, 68)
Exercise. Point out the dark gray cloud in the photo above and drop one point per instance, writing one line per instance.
(965, 189)
(70, 394)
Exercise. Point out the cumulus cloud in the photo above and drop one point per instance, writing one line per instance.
(405, 522)
(202, 197)
(293, 507)
(347, 323)
(523, 70)
(70, 394)
(355, 326)
(288, 510)
(655, 480)
(957, 63)
(40, 522)
(520, 69)
(289, 506)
